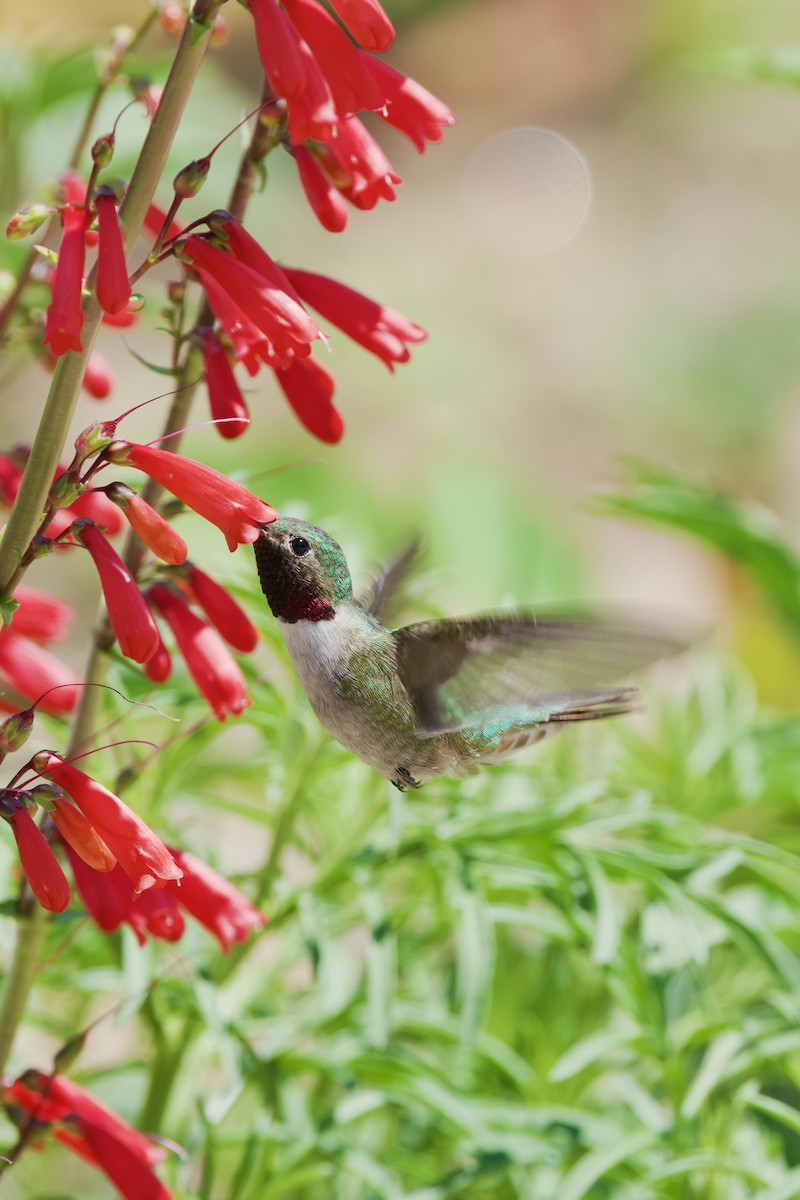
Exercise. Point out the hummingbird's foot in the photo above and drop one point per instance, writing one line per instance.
(405, 780)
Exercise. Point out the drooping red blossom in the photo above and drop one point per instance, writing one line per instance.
(225, 397)
(228, 505)
(64, 314)
(409, 106)
(246, 249)
(29, 670)
(140, 853)
(367, 22)
(113, 288)
(309, 387)
(40, 616)
(294, 73)
(131, 619)
(357, 166)
(48, 882)
(91, 1130)
(73, 188)
(326, 203)
(122, 320)
(217, 674)
(98, 379)
(351, 83)
(273, 310)
(80, 835)
(381, 330)
(227, 617)
(215, 902)
(148, 524)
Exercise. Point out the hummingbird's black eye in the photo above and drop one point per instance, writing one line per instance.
(299, 546)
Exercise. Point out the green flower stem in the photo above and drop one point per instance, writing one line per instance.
(31, 930)
(62, 398)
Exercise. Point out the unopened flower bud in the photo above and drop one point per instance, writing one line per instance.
(191, 178)
(95, 438)
(172, 18)
(103, 150)
(176, 290)
(27, 221)
(220, 31)
(15, 730)
(69, 1053)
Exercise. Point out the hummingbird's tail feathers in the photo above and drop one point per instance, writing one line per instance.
(377, 598)
(611, 703)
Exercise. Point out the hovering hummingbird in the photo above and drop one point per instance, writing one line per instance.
(438, 697)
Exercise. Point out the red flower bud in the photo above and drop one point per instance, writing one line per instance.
(367, 22)
(224, 394)
(379, 329)
(227, 617)
(80, 835)
(15, 731)
(48, 882)
(228, 505)
(309, 387)
(64, 314)
(142, 855)
(128, 613)
(211, 665)
(113, 288)
(329, 209)
(156, 533)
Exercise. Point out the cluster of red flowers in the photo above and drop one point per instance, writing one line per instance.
(87, 1127)
(325, 80)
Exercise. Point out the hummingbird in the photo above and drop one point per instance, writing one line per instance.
(438, 697)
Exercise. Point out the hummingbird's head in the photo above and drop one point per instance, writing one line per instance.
(303, 571)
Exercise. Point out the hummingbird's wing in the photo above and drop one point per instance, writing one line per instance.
(465, 672)
(377, 597)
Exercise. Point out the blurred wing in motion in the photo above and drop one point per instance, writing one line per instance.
(378, 597)
(467, 672)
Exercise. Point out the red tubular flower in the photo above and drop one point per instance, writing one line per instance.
(367, 22)
(211, 665)
(40, 616)
(110, 901)
(294, 73)
(98, 379)
(48, 882)
(379, 329)
(113, 288)
(215, 902)
(73, 191)
(64, 315)
(227, 617)
(329, 209)
(228, 505)
(247, 250)
(357, 166)
(80, 836)
(250, 345)
(130, 618)
(224, 394)
(309, 387)
(91, 1130)
(142, 855)
(156, 532)
(409, 106)
(352, 85)
(273, 310)
(30, 671)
